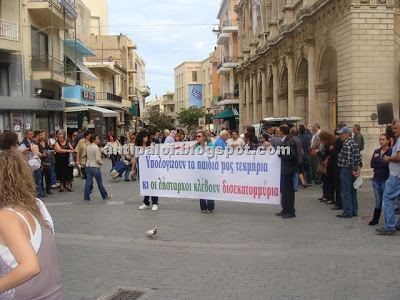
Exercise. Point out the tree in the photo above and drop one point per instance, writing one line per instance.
(189, 117)
(158, 121)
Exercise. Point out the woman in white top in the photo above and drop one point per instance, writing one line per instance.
(29, 266)
(113, 147)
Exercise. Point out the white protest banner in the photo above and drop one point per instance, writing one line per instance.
(251, 178)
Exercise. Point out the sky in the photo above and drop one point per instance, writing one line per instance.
(166, 34)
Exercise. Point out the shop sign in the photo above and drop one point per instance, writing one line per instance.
(70, 7)
(72, 122)
(88, 95)
(52, 104)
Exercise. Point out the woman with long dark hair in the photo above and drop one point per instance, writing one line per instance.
(143, 140)
(113, 146)
(381, 174)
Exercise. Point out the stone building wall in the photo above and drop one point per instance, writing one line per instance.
(325, 61)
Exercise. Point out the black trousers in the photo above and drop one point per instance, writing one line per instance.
(287, 191)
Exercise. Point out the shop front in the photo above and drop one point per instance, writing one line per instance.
(20, 114)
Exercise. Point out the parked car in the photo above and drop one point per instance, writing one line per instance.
(275, 122)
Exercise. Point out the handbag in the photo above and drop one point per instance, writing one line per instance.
(321, 169)
(71, 161)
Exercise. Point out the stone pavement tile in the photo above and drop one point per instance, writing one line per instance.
(241, 248)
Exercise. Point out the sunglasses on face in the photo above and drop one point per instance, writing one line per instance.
(199, 136)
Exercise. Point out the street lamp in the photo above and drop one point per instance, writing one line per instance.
(209, 120)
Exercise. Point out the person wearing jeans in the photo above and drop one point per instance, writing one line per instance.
(381, 173)
(349, 161)
(392, 187)
(93, 163)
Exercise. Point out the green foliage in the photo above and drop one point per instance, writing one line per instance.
(189, 117)
(158, 121)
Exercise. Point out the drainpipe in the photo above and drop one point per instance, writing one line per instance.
(52, 36)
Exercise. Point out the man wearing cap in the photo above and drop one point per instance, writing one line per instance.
(392, 187)
(349, 162)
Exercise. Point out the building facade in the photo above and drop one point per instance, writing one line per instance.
(227, 55)
(99, 16)
(322, 60)
(170, 107)
(33, 61)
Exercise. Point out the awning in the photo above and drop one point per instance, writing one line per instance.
(81, 48)
(103, 111)
(227, 114)
(85, 70)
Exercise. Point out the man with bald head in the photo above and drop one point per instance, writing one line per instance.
(392, 187)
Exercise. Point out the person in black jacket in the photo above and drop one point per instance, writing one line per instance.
(381, 174)
(289, 166)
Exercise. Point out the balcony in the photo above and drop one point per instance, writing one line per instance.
(229, 26)
(145, 90)
(81, 93)
(228, 98)
(105, 99)
(223, 39)
(222, 70)
(9, 36)
(52, 70)
(230, 62)
(41, 10)
(132, 68)
(107, 66)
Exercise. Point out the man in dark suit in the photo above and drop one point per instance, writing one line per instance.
(289, 166)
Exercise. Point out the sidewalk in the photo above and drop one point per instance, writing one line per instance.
(242, 251)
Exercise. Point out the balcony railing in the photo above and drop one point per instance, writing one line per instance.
(9, 30)
(56, 5)
(228, 59)
(43, 63)
(104, 96)
(85, 85)
(227, 23)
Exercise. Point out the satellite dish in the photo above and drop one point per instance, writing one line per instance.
(110, 58)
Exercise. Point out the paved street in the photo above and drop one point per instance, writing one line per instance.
(242, 251)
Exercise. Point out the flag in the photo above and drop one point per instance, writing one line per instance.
(196, 93)
(255, 4)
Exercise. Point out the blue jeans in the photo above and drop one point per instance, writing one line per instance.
(207, 204)
(379, 188)
(296, 181)
(307, 167)
(348, 192)
(38, 181)
(96, 173)
(392, 191)
(154, 199)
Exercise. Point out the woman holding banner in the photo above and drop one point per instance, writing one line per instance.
(143, 140)
(206, 206)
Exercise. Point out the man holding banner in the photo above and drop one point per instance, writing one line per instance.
(289, 166)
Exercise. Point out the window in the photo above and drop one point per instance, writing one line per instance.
(194, 76)
(39, 42)
(39, 48)
(4, 81)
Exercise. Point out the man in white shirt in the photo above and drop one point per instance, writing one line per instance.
(235, 141)
(168, 138)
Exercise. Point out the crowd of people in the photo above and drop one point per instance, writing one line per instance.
(30, 169)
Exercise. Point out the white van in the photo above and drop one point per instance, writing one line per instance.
(275, 122)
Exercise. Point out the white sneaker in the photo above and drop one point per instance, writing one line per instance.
(155, 207)
(144, 206)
